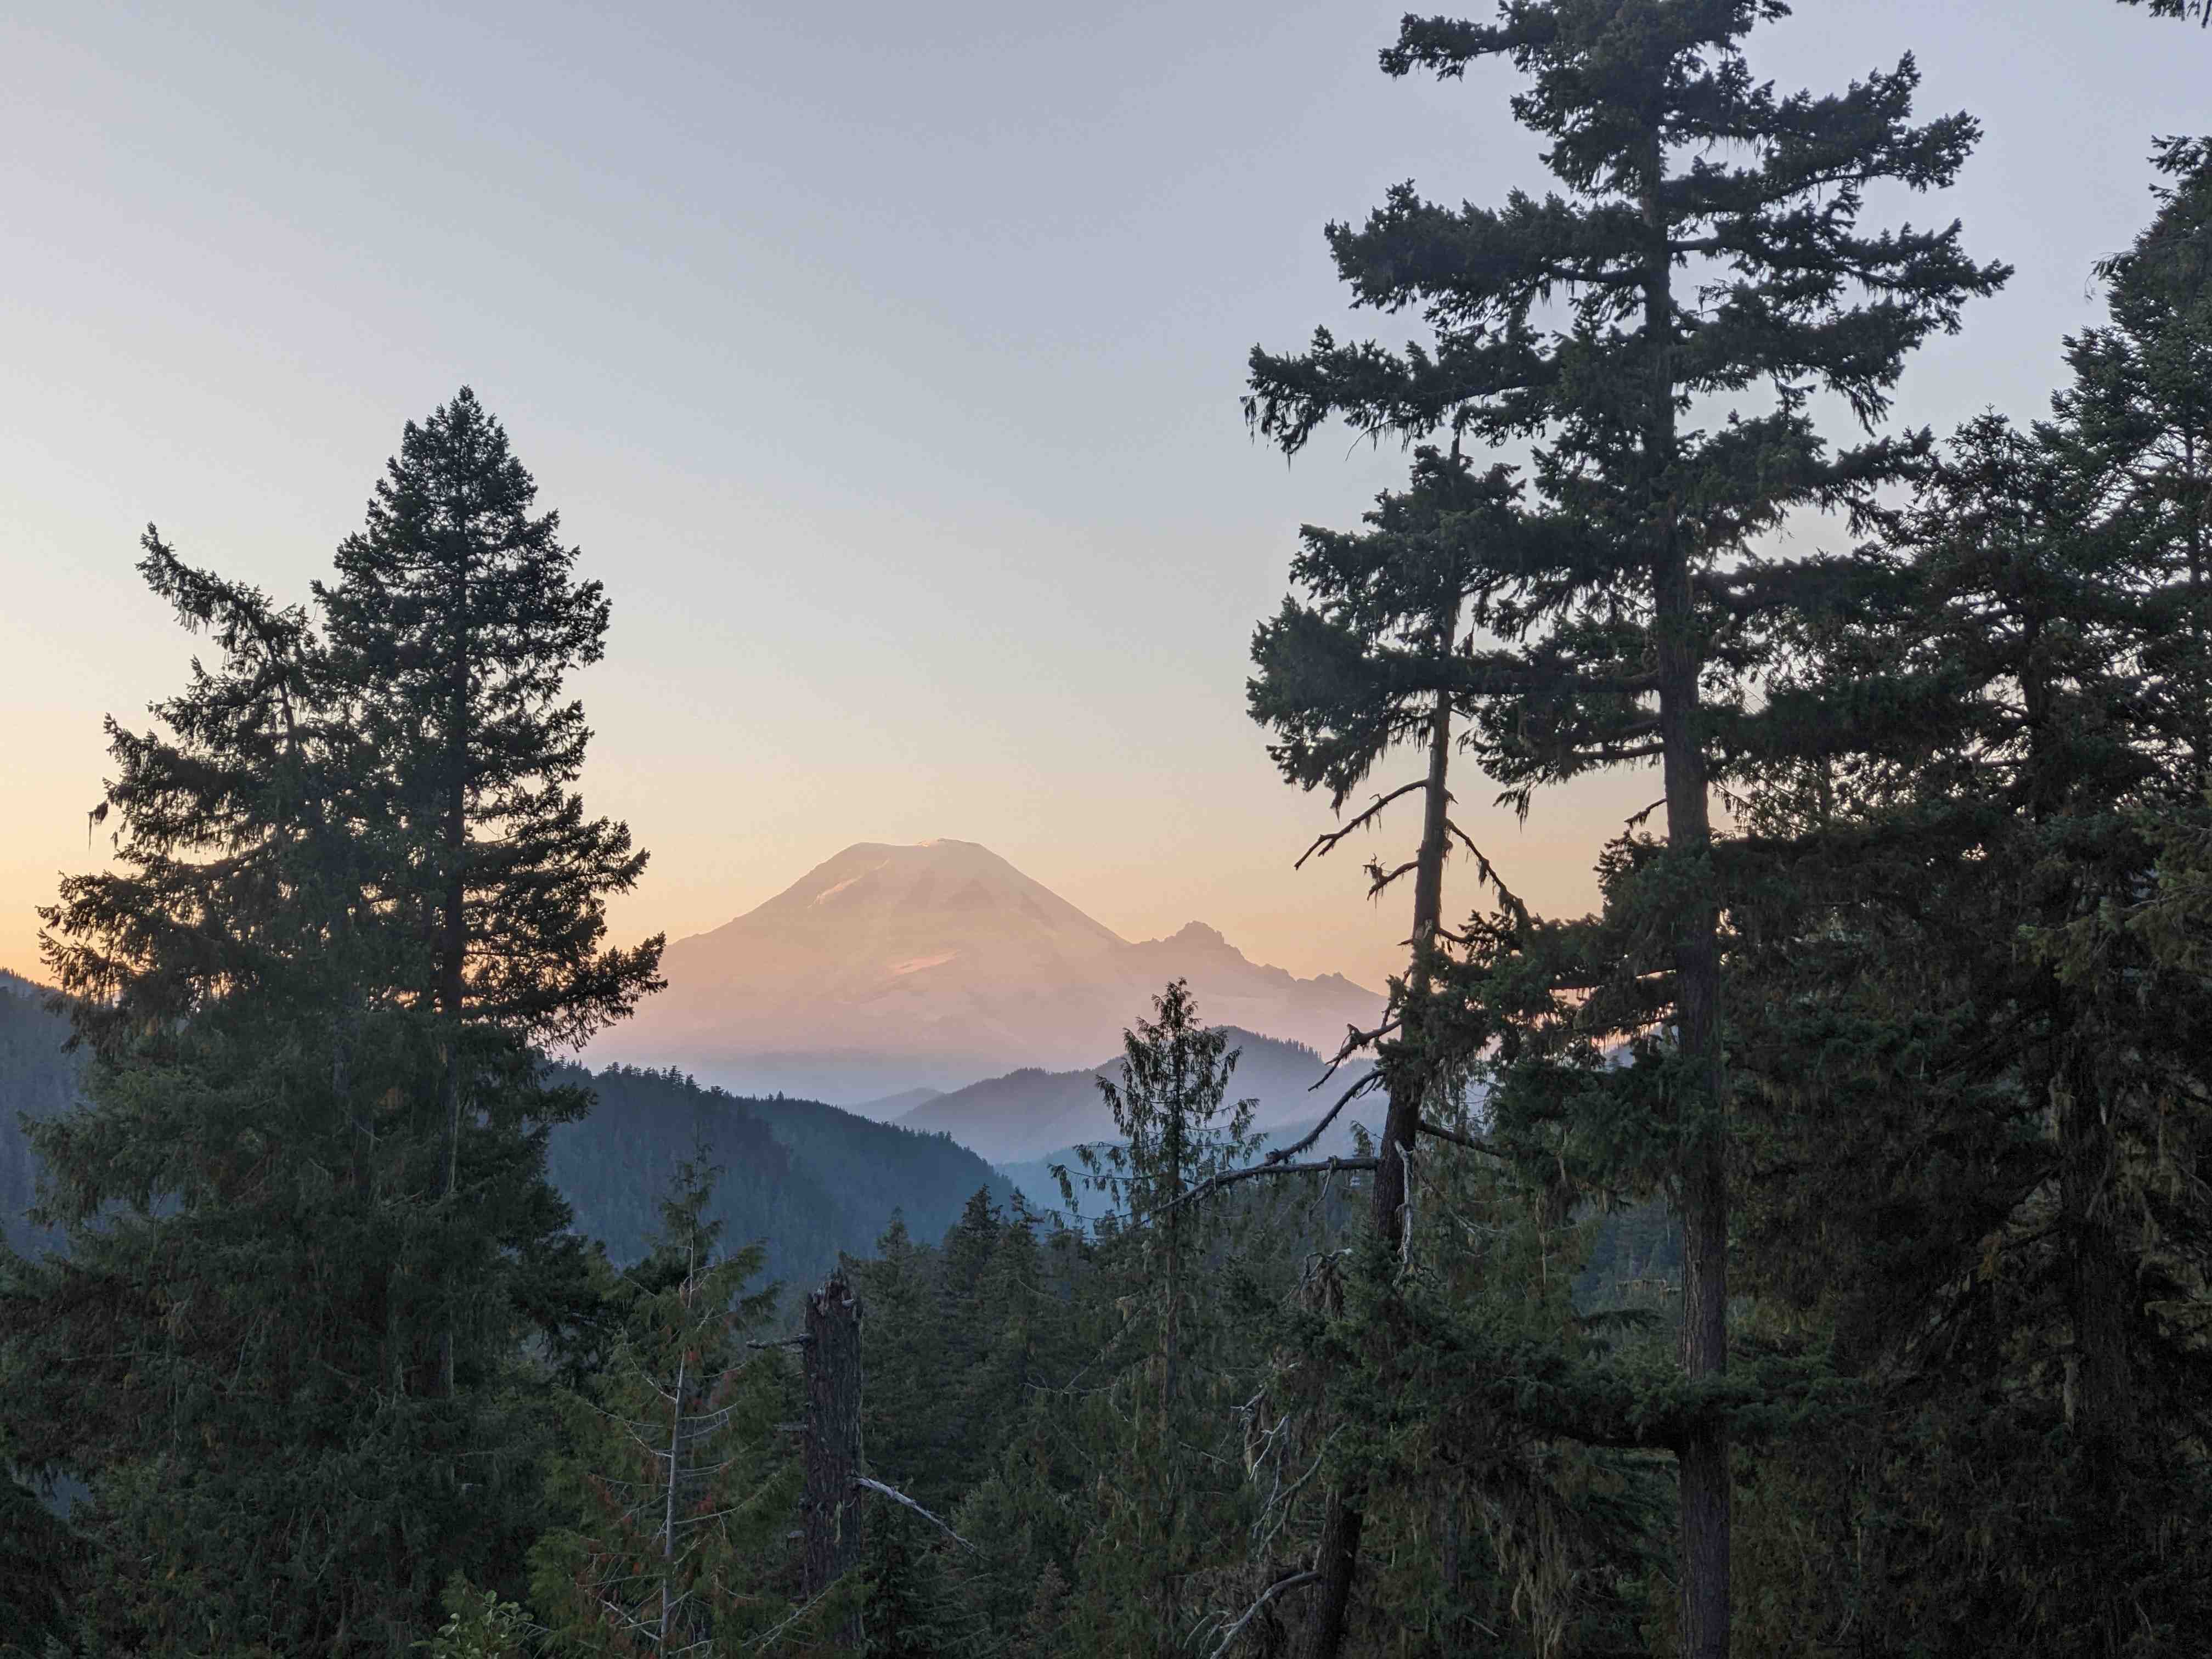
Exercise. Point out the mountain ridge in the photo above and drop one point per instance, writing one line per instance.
(1020, 1115)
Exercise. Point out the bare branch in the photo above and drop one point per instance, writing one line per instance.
(1354, 1040)
(1378, 878)
(1284, 1154)
(1471, 1142)
(1323, 844)
(1230, 1635)
(1230, 1177)
(1487, 872)
(898, 1496)
(769, 1637)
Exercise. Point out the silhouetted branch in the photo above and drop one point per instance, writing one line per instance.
(1322, 844)
(1354, 1040)
(1230, 1177)
(1283, 1155)
(1378, 878)
(1487, 872)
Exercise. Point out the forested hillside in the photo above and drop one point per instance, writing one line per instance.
(804, 1180)
(808, 1181)
(38, 1080)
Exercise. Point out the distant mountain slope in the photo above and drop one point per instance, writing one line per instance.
(889, 1108)
(38, 1080)
(809, 1179)
(1033, 1180)
(932, 964)
(1027, 1113)
(805, 1179)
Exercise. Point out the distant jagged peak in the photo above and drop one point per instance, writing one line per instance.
(1192, 938)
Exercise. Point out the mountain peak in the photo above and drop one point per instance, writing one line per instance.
(939, 958)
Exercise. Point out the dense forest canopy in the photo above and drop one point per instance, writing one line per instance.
(1807, 1252)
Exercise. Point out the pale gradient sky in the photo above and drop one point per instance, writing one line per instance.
(882, 360)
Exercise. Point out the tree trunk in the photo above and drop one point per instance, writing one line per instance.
(2099, 1402)
(453, 942)
(668, 1506)
(1337, 1557)
(830, 1506)
(1701, 1172)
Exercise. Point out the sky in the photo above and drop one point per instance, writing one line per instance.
(884, 361)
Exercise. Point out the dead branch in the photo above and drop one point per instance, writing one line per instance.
(1378, 878)
(769, 1637)
(1284, 1154)
(1354, 1040)
(1471, 1142)
(1323, 844)
(1229, 1178)
(1230, 1635)
(898, 1496)
(1485, 870)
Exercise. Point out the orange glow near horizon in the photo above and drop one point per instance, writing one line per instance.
(898, 411)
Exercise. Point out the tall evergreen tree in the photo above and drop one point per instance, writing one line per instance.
(1981, 1093)
(285, 1346)
(1708, 242)
(1371, 661)
(450, 632)
(2137, 419)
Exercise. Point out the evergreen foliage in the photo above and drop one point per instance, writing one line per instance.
(2015, 1056)
(672, 1475)
(307, 1224)
(1707, 242)
(1162, 1420)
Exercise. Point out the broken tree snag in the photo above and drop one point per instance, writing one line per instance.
(830, 1505)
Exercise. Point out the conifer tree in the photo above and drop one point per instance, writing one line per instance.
(2138, 418)
(286, 1347)
(1986, 1087)
(911, 1612)
(1707, 242)
(451, 631)
(674, 1480)
(1170, 1366)
(1372, 659)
